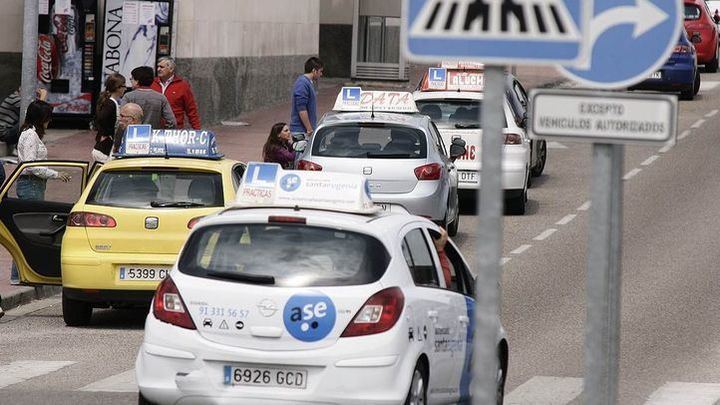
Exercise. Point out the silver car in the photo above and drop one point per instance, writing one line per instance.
(403, 156)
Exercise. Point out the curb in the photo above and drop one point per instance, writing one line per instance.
(25, 295)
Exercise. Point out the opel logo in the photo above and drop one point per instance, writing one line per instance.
(267, 308)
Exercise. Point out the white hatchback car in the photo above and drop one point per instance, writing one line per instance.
(279, 300)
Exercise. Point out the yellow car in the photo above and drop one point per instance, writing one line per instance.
(109, 237)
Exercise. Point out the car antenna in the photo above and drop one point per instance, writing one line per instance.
(372, 110)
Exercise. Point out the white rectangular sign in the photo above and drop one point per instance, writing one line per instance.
(602, 117)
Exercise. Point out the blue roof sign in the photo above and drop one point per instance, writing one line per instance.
(143, 141)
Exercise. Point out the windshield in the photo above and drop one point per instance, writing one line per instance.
(284, 255)
(382, 141)
(157, 188)
(692, 12)
(455, 114)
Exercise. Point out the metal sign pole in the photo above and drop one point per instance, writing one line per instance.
(602, 329)
(489, 245)
(29, 56)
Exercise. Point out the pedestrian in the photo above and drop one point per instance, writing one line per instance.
(278, 147)
(130, 114)
(178, 92)
(303, 117)
(155, 106)
(30, 147)
(716, 16)
(108, 116)
(10, 118)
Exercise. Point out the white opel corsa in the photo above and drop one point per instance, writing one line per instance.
(296, 303)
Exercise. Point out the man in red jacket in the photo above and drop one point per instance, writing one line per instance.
(178, 92)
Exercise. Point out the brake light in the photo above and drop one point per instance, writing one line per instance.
(168, 305)
(191, 223)
(91, 220)
(429, 171)
(682, 49)
(379, 314)
(308, 165)
(286, 220)
(513, 139)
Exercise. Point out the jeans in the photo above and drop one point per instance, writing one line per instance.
(29, 187)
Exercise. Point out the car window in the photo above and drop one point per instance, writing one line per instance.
(376, 141)
(452, 113)
(293, 255)
(692, 12)
(36, 183)
(419, 259)
(157, 188)
(440, 144)
(238, 171)
(522, 96)
(462, 280)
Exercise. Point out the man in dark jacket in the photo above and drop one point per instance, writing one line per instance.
(155, 106)
(178, 92)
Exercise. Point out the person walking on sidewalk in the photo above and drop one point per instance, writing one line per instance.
(32, 182)
(277, 147)
(156, 108)
(178, 92)
(108, 116)
(303, 116)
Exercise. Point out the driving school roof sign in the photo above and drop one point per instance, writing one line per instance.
(143, 141)
(453, 79)
(355, 99)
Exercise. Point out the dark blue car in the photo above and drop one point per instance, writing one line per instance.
(679, 74)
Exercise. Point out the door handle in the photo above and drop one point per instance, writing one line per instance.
(432, 315)
(463, 319)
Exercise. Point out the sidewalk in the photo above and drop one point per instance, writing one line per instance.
(242, 143)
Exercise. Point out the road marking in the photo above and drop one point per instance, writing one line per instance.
(632, 173)
(504, 260)
(666, 148)
(684, 134)
(650, 160)
(566, 219)
(698, 123)
(546, 234)
(708, 85)
(19, 371)
(520, 250)
(584, 207)
(556, 145)
(711, 113)
(673, 393)
(123, 382)
(541, 390)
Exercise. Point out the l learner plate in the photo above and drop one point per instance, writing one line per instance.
(656, 75)
(265, 377)
(142, 273)
(468, 177)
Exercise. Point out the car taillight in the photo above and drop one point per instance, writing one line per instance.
(168, 305)
(379, 314)
(191, 223)
(682, 49)
(430, 171)
(513, 139)
(308, 165)
(91, 220)
(286, 219)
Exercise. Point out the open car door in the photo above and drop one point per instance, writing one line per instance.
(33, 215)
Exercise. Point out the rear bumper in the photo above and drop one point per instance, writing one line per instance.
(110, 296)
(514, 177)
(678, 77)
(428, 199)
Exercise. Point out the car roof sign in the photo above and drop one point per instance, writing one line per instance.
(462, 65)
(143, 141)
(268, 185)
(453, 79)
(355, 99)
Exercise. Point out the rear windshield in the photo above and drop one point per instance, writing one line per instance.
(692, 12)
(157, 189)
(375, 141)
(454, 114)
(284, 255)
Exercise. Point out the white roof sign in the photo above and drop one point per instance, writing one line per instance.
(354, 99)
(453, 79)
(268, 185)
(603, 117)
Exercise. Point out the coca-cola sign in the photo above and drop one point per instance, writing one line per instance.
(48, 61)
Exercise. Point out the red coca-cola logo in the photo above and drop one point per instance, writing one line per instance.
(48, 61)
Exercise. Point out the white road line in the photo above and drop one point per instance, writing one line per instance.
(504, 260)
(698, 124)
(684, 134)
(546, 234)
(541, 390)
(666, 148)
(673, 393)
(19, 371)
(708, 85)
(632, 173)
(711, 113)
(566, 219)
(521, 249)
(123, 382)
(650, 160)
(584, 207)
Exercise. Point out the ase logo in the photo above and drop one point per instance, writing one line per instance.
(290, 182)
(309, 317)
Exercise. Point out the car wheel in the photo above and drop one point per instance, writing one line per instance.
(712, 67)
(516, 205)
(142, 400)
(501, 378)
(688, 94)
(75, 313)
(696, 84)
(541, 159)
(452, 227)
(417, 395)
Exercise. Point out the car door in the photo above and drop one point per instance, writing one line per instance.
(32, 229)
(452, 173)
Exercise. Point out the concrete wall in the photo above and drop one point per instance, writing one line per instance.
(336, 19)
(11, 21)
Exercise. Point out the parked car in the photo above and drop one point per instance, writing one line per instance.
(703, 32)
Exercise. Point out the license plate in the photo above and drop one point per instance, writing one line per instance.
(468, 177)
(265, 377)
(385, 207)
(142, 273)
(656, 75)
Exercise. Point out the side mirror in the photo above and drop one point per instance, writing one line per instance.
(457, 149)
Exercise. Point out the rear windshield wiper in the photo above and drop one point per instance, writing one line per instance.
(388, 155)
(467, 126)
(249, 278)
(175, 204)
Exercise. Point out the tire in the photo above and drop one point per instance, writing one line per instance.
(143, 401)
(688, 94)
(452, 227)
(516, 205)
(712, 67)
(75, 313)
(696, 84)
(417, 394)
(537, 170)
